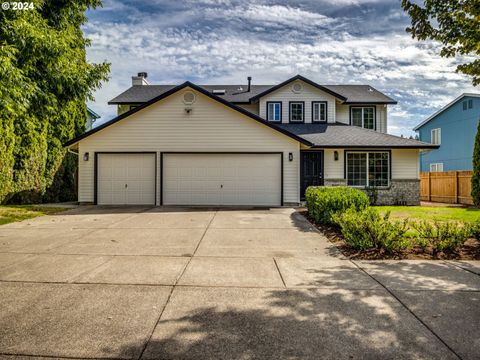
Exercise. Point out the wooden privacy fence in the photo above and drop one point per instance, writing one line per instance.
(453, 187)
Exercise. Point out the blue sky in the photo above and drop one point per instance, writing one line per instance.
(224, 41)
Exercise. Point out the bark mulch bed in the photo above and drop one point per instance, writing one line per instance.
(470, 250)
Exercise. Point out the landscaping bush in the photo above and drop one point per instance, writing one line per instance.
(442, 236)
(475, 230)
(324, 202)
(368, 229)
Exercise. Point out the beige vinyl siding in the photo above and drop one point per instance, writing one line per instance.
(253, 108)
(308, 94)
(210, 127)
(405, 164)
(343, 115)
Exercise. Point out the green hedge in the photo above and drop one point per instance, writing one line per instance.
(368, 229)
(324, 202)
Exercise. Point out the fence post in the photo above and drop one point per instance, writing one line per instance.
(429, 187)
(456, 187)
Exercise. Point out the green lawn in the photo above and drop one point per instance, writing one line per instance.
(9, 214)
(431, 213)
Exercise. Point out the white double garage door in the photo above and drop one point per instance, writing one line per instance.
(189, 179)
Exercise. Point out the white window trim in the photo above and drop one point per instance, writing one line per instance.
(439, 136)
(290, 111)
(363, 119)
(280, 111)
(367, 185)
(437, 166)
(319, 103)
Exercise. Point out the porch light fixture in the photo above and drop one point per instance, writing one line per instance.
(335, 155)
(290, 156)
(86, 156)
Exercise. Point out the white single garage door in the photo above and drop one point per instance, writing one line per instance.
(222, 179)
(126, 179)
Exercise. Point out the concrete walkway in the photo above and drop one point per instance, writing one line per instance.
(168, 283)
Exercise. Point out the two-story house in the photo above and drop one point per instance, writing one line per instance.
(92, 116)
(453, 129)
(244, 145)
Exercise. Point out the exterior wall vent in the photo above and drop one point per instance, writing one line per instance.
(297, 87)
(188, 98)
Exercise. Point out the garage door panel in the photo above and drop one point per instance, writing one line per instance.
(126, 179)
(222, 179)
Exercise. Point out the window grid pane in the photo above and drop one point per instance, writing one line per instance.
(378, 169)
(296, 112)
(357, 117)
(377, 174)
(368, 118)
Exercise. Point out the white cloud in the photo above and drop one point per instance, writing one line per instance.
(220, 46)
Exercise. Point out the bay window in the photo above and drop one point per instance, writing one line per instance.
(368, 169)
(363, 117)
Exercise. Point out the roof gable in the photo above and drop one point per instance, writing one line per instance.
(175, 89)
(446, 107)
(304, 79)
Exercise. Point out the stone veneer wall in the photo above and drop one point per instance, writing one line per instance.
(400, 192)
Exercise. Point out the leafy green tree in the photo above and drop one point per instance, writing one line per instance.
(453, 23)
(476, 169)
(45, 81)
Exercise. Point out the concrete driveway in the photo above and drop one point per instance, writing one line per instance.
(164, 283)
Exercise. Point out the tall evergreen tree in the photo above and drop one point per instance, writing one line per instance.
(45, 81)
(476, 169)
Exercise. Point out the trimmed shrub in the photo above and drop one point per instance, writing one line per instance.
(324, 202)
(442, 236)
(475, 230)
(368, 229)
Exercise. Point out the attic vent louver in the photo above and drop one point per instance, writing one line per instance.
(219, 92)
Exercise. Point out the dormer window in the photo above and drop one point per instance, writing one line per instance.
(274, 111)
(319, 111)
(363, 116)
(297, 113)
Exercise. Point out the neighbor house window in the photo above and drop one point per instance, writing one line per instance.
(133, 107)
(436, 167)
(368, 169)
(297, 111)
(319, 111)
(274, 111)
(470, 103)
(465, 105)
(363, 117)
(436, 138)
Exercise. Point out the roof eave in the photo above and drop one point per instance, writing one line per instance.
(420, 147)
(389, 102)
(304, 79)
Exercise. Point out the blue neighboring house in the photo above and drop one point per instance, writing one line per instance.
(453, 128)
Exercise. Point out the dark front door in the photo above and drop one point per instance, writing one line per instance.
(311, 170)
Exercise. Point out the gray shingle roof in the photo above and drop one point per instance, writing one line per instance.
(340, 135)
(139, 94)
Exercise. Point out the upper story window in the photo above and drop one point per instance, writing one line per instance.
(274, 111)
(470, 103)
(436, 136)
(319, 111)
(297, 113)
(363, 117)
